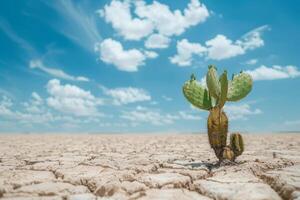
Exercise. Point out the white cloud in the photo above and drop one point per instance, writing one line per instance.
(185, 52)
(77, 23)
(112, 52)
(35, 112)
(152, 17)
(6, 93)
(236, 112)
(30, 116)
(275, 72)
(38, 64)
(168, 22)
(145, 115)
(118, 14)
(127, 95)
(157, 41)
(167, 98)
(71, 99)
(5, 105)
(187, 116)
(218, 48)
(221, 47)
(252, 39)
(34, 104)
(156, 117)
(251, 62)
(292, 122)
(150, 54)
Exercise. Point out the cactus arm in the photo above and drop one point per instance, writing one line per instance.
(212, 82)
(239, 87)
(224, 89)
(196, 94)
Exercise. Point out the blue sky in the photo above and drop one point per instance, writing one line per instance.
(119, 66)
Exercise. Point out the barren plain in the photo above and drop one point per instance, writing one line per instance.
(177, 167)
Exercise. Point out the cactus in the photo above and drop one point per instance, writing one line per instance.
(228, 154)
(236, 144)
(219, 90)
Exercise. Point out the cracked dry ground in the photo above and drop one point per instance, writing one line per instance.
(146, 167)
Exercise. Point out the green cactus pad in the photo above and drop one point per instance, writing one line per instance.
(224, 89)
(196, 94)
(212, 82)
(239, 87)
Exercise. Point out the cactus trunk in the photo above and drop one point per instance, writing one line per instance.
(217, 126)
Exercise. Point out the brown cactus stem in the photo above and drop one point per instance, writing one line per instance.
(217, 126)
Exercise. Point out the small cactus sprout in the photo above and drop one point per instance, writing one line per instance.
(228, 154)
(236, 144)
(213, 98)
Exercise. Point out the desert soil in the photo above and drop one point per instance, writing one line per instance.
(177, 167)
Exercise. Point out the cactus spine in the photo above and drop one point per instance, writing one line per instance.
(213, 99)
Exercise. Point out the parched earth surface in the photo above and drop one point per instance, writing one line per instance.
(146, 167)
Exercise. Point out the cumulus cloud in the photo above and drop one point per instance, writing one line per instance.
(152, 17)
(168, 22)
(157, 41)
(150, 54)
(242, 111)
(118, 14)
(112, 52)
(35, 103)
(71, 99)
(29, 116)
(38, 64)
(251, 62)
(126, 95)
(5, 105)
(221, 47)
(185, 52)
(187, 116)
(145, 115)
(156, 117)
(218, 48)
(275, 72)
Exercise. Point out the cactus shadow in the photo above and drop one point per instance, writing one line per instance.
(208, 165)
(211, 165)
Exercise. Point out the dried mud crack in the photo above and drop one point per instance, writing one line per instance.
(146, 167)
